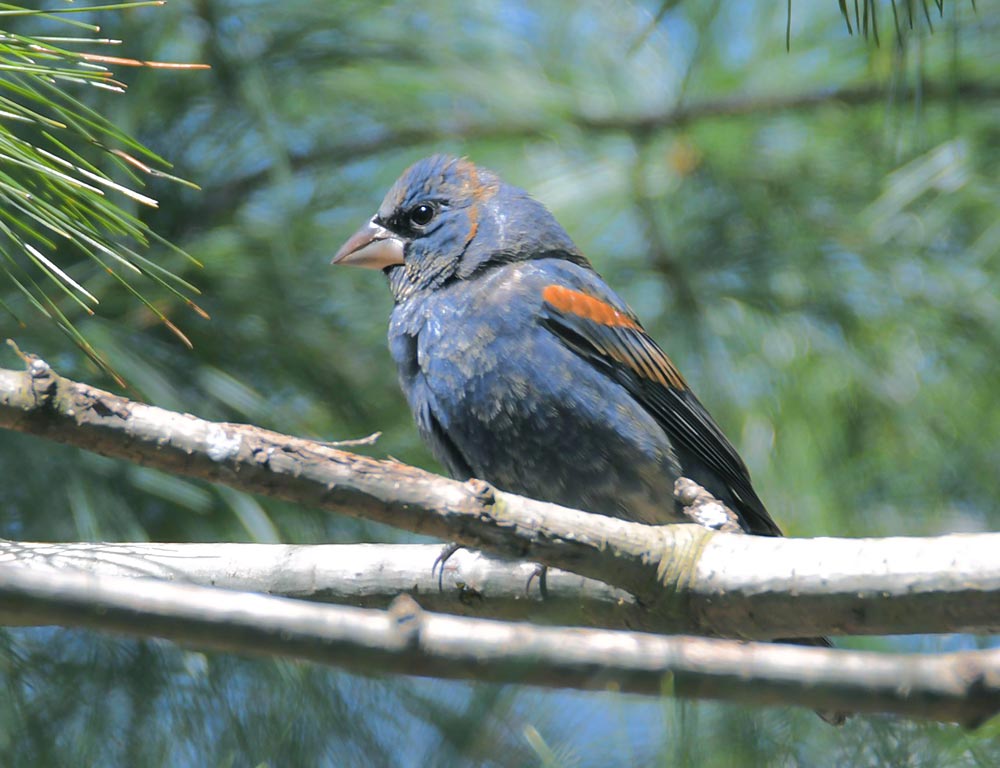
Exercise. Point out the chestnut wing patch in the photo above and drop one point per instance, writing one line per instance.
(613, 333)
(613, 341)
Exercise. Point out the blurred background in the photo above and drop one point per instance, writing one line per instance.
(812, 234)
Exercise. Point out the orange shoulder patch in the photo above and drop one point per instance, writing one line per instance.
(578, 303)
(634, 350)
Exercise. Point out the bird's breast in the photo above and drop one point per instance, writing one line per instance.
(525, 412)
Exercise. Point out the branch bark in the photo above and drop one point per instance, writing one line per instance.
(742, 586)
(959, 687)
(363, 575)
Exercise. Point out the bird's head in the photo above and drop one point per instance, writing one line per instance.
(445, 219)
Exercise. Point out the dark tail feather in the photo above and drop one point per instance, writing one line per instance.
(833, 718)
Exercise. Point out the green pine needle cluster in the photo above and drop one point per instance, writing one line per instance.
(70, 180)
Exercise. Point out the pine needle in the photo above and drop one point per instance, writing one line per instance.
(55, 187)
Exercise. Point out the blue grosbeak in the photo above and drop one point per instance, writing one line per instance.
(523, 368)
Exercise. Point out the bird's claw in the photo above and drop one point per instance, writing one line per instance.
(441, 560)
(539, 572)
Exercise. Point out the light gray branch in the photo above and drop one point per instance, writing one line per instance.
(959, 687)
(477, 584)
(364, 575)
(743, 586)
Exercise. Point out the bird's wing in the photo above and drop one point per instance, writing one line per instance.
(607, 334)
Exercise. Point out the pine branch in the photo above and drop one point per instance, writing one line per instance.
(363, 575)
(60, 203)
(686, 577)
(957, 687)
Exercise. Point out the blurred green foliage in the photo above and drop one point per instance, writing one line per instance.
(825, 275)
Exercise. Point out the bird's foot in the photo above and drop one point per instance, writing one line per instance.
(541, 573)
(439, 563)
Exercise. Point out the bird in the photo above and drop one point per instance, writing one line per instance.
(522, 367)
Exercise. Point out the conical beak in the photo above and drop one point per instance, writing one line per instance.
(373, 246)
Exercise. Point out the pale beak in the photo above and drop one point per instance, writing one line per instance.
(373, 246)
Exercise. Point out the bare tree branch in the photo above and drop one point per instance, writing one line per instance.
(959, 687)
(364, 575)
(477, 584)
(729, 585)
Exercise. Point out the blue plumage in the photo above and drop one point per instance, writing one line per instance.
(523, 368)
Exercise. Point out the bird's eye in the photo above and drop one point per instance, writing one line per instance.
(421, 215)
